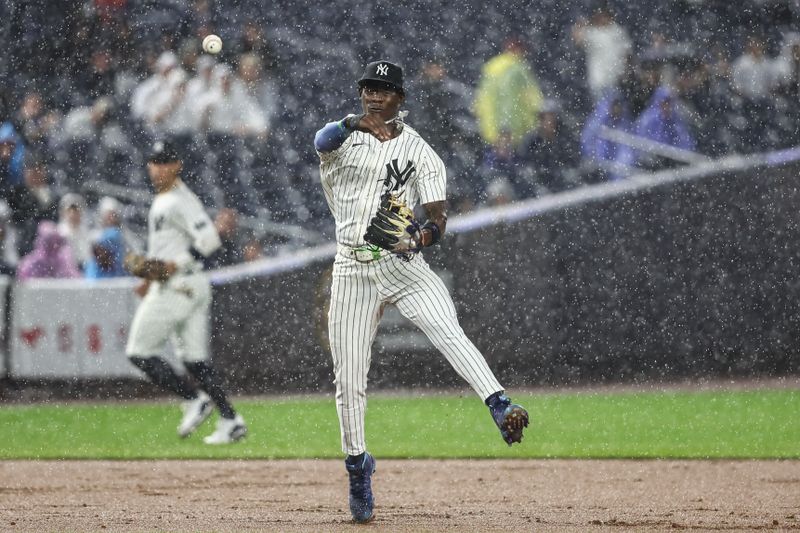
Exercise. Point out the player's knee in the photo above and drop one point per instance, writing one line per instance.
(196, 366)
(149, 364)
(349, 388)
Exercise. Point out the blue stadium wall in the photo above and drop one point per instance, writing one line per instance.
(693, 279)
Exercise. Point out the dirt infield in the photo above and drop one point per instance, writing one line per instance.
(411, 496)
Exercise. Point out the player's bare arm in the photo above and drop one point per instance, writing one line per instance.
(437, 215)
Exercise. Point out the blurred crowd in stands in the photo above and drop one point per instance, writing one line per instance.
(520, 99)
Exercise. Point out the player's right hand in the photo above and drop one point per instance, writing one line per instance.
(375, 125)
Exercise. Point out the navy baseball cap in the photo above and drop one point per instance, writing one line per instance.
(163, 152)
(383, 72)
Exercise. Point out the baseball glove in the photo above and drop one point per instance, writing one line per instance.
(393, 227)
(142, 267)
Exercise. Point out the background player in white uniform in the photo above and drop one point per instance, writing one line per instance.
(363, 159)
(177, 299)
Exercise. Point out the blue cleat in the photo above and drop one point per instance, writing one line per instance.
(510, 418)
(361, 501)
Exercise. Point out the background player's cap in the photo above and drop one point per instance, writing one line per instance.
(163, 152)
(383, 72)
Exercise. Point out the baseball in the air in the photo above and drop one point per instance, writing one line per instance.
(212, 44)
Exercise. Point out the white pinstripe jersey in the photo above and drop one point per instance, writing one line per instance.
(355, 175)
(177, 222)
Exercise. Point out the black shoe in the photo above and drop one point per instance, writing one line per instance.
(361, 501)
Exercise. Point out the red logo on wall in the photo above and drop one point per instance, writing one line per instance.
(95, 341)
(31, 336)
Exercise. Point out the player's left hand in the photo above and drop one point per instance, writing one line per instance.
(393, 227)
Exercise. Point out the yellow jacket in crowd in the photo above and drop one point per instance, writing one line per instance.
(508, 98)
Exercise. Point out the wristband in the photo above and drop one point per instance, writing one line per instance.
(436, 233)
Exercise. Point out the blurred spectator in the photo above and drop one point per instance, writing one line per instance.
(9, 256)
(442, 107)
(499, 192)
(260, 86)
(188, 54)
(441, 110)
(508, 96)
(607, 46)
(642, 78)
(100, 79)
(789, 64)
(51, 256)
(166, 116)
(233, 120)
(202, 81)
(661, 122)
(229, 109)
(196, 92)
(35, 121)
(501, 161)
(12, 158)
(110, 215)
(755, 76)
(252, 249)
(110, 10)
(74, 226)
(151, 95)
(787, 112)
(550, 155)
(612, 111)
(707, 100)
(94, 137)
(127, 60)
(33, 201)
(82, 123)
(186, 121)
(260, 152)
(108, 251)
(230, 253)
(253, 41)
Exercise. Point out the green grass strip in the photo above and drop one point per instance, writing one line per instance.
(719, 424)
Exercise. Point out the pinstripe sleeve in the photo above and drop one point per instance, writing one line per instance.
(432, 179)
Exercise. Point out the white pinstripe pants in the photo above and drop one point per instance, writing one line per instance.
(358, 295)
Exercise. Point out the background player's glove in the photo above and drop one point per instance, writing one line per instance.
(393, 227)
(150, 269)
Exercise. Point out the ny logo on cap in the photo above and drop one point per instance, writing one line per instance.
(383, 70)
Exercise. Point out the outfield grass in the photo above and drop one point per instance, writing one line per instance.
(726, 424)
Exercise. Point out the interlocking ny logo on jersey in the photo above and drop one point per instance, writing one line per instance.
(393, 173)
(383, 70)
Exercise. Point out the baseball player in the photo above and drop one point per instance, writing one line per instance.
(374, 170)
(177, 299)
